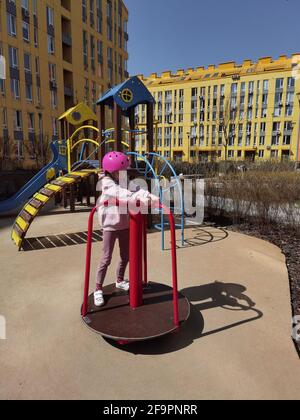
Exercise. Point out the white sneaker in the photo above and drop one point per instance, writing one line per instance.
(123, 285)
(98, 299)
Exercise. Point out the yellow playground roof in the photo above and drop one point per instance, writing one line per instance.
(78, 114)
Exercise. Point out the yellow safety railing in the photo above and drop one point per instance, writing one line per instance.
(70, 146)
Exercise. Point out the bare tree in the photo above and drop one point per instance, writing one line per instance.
(7, 160)
(39, 150)
(225, 123)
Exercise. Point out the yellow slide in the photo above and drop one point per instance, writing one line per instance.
(39, 200)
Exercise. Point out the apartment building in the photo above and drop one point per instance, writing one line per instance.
(230, 111)
(58, 53)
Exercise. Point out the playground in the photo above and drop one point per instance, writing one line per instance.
(236, 343)
(208, 313)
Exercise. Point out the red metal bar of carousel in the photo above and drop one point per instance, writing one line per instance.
(138, 255)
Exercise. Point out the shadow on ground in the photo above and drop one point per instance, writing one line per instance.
(59, 241)
(226, 296)
(6, 221)
(201, 236)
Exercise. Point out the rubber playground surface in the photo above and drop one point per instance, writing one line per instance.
(236, 344)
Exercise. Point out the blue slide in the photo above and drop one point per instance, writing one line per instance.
(51, 170)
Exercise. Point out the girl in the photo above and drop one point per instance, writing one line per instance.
(114, 224)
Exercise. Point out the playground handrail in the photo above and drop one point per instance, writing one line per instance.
(174, 259)
(151, 168)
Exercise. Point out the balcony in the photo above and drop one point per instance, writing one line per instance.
(31, 136)
(68, 91)
(67, 39)
(11, 8)
(18, 135)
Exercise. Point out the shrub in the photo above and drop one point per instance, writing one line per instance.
(264, 197)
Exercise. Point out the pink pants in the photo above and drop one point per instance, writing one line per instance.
(109, 240)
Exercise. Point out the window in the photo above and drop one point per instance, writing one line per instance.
(2, 71)
(234, 88)
(25, 4)
(18, 120)
(34, 7)
(51, 49)
(30, 122)
(194, 92)
(240, 138)
(276, 133)
(2, 87)
(92, 18)
(28, 92)
(53, 99)
(50, 16)
(11, 25)
(279, 84)
(15, 88)
(54, 127)
(265, 100)
(19, 149)
(13, 57)
(4, 117)
(86, 90)
(264, 112)
(266, 85)
(288, 129)
(99, 16)
(52, 71)
(35, 36)
(93, 53)
(230, 154)
(85, 49)
(25, 27)
(84, 12)
(27, 63)
(261, 154)
(38, 95)
(291, 83)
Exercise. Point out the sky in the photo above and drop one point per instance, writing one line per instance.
(178, 34)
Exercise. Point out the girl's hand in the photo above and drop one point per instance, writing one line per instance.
(154, 199)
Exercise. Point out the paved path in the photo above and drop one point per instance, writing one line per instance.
(236, 344)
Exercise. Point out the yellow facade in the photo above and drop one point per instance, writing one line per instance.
(230, 111)
(58, 53)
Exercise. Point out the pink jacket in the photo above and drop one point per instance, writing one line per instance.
(111, 218)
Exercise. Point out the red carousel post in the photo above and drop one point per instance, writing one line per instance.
(145, 250)
(135, 263)
(88, 263)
